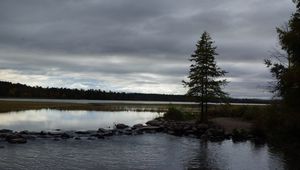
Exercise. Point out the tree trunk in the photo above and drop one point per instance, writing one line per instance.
(202, 103)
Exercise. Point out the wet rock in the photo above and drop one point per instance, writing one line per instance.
(98, 135)
(121, 126)
(239, 135)
(108, 133)
(214, 134)
(30, 137)
(77, 138)
(65, 136)
(6, 131)
(151, 129)
(154, 123)
(137, 126)
(83, 132)
(42, 133)
(101, 130)
(16, 139)
(91, 138)
(24, 132)
(202, 126)
(128, 132)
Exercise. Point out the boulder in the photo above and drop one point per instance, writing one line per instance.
(16, 139)
(5, 131)
(151, 129)
(121, 126)
(137, 126)
(82, 132)
(98, 135)
(154, 123)
(202, 126)
(65, 136)
(91, 138)
(239, 135)
(101, 130)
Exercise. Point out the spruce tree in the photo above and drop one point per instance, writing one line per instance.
(204, 74)
(286, 67)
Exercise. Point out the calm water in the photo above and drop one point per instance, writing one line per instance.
(151, 151)
(148, 151)
(117, 102)
(46, 119)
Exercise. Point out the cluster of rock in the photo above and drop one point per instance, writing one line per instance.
(204, 131)
(120, 129)
(208, 131)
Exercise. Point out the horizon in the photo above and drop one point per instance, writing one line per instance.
(137, 46)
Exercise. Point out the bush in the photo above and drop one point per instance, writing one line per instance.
(174, 113)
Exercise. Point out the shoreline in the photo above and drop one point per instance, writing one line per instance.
(211, 132)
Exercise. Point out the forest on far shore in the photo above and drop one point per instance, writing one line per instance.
(12, 90)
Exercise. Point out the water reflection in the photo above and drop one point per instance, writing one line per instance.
(149, 151)
(47, 119)
(229, 155)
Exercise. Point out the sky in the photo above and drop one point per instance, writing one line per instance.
(137, 45)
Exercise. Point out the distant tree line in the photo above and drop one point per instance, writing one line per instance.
(12, 90)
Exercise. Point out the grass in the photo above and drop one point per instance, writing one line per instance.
(9, 106)
(178, 114)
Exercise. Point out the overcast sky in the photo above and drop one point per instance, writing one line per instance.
(137, 45)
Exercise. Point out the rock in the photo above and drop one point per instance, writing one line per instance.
(214, 135)
(24, 132)
(42, 133)
(91, 138)
(121, 126)
(202, 126)
(16, 139)
(151, 129)
(101, 130)
(77, 138)
(65, 136)
(108, 133)
(82, 132)
(154, 123)
(98, 135)
(1, 147)
(6, 131)
(128, 132)
(239, 135)
(31, 137)
(137, 126)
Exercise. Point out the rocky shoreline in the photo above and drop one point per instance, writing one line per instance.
(209, 131)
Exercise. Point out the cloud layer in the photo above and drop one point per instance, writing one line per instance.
(136, 45)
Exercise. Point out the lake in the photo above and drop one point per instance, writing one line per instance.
(148, 151)
(83, 101)
(47, 119)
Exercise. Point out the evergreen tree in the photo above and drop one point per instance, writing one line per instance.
(204, 74)
(287, 71)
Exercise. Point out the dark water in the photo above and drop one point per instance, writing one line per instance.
(148, 151)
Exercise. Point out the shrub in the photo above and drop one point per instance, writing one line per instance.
(174, 113)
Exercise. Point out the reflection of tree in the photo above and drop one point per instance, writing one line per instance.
(290, 156)
(202, 159)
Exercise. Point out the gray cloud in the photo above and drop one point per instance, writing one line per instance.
(136, 45)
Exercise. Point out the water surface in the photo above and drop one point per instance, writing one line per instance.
(49, 119)
(148, 151)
